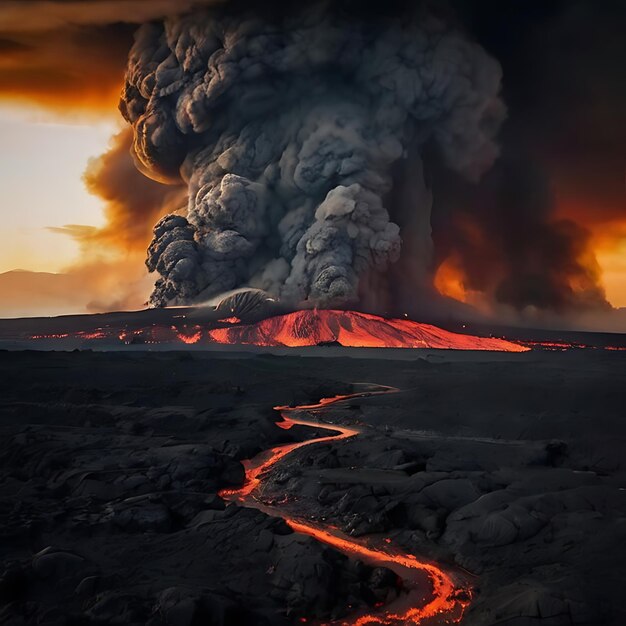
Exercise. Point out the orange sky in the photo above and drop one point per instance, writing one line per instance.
(605, 217)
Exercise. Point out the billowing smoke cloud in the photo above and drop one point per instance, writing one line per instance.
(507, 244)
(287, 128)
(132, 202)
(505, 241)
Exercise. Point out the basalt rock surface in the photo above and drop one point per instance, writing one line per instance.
(506, 465)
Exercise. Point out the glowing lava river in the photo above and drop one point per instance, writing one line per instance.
(433, 596)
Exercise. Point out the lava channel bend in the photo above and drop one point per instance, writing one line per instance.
(446, 598)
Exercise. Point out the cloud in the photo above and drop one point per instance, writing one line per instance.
(69, 57)
(110, 273)
(67, 71)
(132, 202)
(505, 242)
(20, 16)
(287, 126)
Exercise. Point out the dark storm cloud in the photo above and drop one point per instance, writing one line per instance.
(46, 15)
(67, 70)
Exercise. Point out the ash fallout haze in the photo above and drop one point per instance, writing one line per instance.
(312, 313)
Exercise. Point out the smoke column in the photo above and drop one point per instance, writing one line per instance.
(300, 135)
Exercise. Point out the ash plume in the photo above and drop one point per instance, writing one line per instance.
(288, 127)
(512, 247)
(132, 202)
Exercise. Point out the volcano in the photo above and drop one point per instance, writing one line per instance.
(353, 329)
(202, 326)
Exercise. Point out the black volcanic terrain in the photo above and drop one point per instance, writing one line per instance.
(505, 469)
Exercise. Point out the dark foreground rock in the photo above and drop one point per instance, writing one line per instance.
(509, 466)
(540, 521)
(110, 468)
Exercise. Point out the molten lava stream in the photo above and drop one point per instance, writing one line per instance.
(434, 596)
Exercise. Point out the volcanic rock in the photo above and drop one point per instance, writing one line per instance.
(248, 305)
(508, 465)
(50, 563)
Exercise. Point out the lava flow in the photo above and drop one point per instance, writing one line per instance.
(309, 327)
(446, 601)
(353, 329)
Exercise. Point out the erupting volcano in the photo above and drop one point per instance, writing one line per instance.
(300, 195)
(354, 329)
(252, 318)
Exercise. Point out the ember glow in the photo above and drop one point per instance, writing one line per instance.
(231, 320)
(446, 599)
(449, 280)
(256, 467)
(556, 346)
(187, 338)
(563, 346)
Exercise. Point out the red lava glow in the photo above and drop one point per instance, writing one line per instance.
(230, 320)
(189, 339)
(555, 345)
(313, 328)
(353, 329)
(562, 346)
(263, 462)
(446, 601)
(129, 337)
(96, 334)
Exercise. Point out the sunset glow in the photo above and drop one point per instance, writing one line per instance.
(42, 161)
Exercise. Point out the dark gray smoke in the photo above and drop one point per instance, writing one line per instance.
(288, 129)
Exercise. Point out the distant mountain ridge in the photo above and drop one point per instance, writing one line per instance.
(82, 289)
(26, 293)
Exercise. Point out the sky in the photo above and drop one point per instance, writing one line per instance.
(61, 72)
(41, 167)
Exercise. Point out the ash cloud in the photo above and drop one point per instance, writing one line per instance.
(287, 127)
(511, 247)
(526, 238)
(132, 202)
(265, 130)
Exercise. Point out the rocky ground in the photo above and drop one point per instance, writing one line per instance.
(509, 466)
